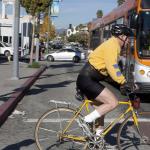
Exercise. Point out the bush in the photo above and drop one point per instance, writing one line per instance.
(34, 65)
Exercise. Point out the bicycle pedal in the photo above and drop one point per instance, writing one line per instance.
(87, 127)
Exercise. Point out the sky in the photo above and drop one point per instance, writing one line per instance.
(77, 12)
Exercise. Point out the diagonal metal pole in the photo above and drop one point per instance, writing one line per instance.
(15, 37)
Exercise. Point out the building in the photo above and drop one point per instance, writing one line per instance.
(73, 29)
(6, 27)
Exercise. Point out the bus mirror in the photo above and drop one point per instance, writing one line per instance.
(134, 21)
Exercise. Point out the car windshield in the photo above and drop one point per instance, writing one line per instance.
(143, 36)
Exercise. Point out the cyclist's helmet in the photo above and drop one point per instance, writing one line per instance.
(121, 29)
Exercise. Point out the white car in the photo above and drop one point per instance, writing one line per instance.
(66, 54)
(5, 49)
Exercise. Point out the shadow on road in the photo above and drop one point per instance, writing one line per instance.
(51, 75)
(18, 145)
(64, 65)
(111, 136)
(3, 59)
(44, 87)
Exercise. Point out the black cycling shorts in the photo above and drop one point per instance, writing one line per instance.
(88, 81)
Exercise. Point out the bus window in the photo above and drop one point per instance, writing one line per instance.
(145, 4)
(106, 34)
(144, 35)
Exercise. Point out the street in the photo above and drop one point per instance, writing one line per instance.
(58, 83)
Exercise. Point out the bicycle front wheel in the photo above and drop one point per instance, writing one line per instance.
(49, 129)
(132, 138)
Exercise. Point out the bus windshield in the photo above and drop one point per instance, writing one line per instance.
(143, 35)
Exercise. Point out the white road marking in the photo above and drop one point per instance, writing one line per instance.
(107, 120)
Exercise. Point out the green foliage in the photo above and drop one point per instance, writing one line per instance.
(72, 38)
(120, 2)
(80, 26)
(99, 14)
(34, 65)
(34, 7)
(81, 38)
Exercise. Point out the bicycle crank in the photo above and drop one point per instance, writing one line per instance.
(97, 143)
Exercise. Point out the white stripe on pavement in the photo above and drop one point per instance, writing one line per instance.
(107, 120)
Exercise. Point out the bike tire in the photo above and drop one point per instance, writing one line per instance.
(51, 124)
(129, 137)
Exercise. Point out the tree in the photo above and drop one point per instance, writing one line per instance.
(34, 7)
(72, 38)
(80, 26)
(99, 14)
(44, 28)
(120, 2)
(80, 37)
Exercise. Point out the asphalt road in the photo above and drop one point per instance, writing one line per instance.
(56, 83)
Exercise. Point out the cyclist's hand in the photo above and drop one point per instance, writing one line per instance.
(124, 88)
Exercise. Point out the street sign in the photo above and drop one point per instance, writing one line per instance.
(54, 9)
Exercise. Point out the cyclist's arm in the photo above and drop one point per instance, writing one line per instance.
(110, 57)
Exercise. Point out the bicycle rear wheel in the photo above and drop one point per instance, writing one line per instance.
(50, 126)
(130, 138)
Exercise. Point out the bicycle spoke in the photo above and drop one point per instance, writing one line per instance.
(129, 137)
(48, 132)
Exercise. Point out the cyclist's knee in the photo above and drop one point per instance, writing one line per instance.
(114, 103)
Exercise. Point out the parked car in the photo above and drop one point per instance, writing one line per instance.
(5, 49)
(66, 54)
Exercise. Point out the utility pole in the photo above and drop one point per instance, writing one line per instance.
(37, 38)
(48, 30)
(15, 39)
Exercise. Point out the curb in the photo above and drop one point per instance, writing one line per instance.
(8, 107)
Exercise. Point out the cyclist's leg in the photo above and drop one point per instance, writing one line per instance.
(109, 102)
(99, 123)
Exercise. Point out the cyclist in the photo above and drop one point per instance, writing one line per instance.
(103, 62)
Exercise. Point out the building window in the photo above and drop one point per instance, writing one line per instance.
(0, 38)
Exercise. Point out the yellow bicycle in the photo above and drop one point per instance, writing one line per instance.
(62, 128)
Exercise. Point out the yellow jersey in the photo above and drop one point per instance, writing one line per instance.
(105, 59)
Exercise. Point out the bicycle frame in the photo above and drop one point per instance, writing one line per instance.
(86, 103)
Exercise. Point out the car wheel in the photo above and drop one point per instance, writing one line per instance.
(76, 59)
(7, 53)
(50, 58)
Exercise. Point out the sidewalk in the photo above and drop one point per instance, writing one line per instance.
(12, 91)
(7, 85)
